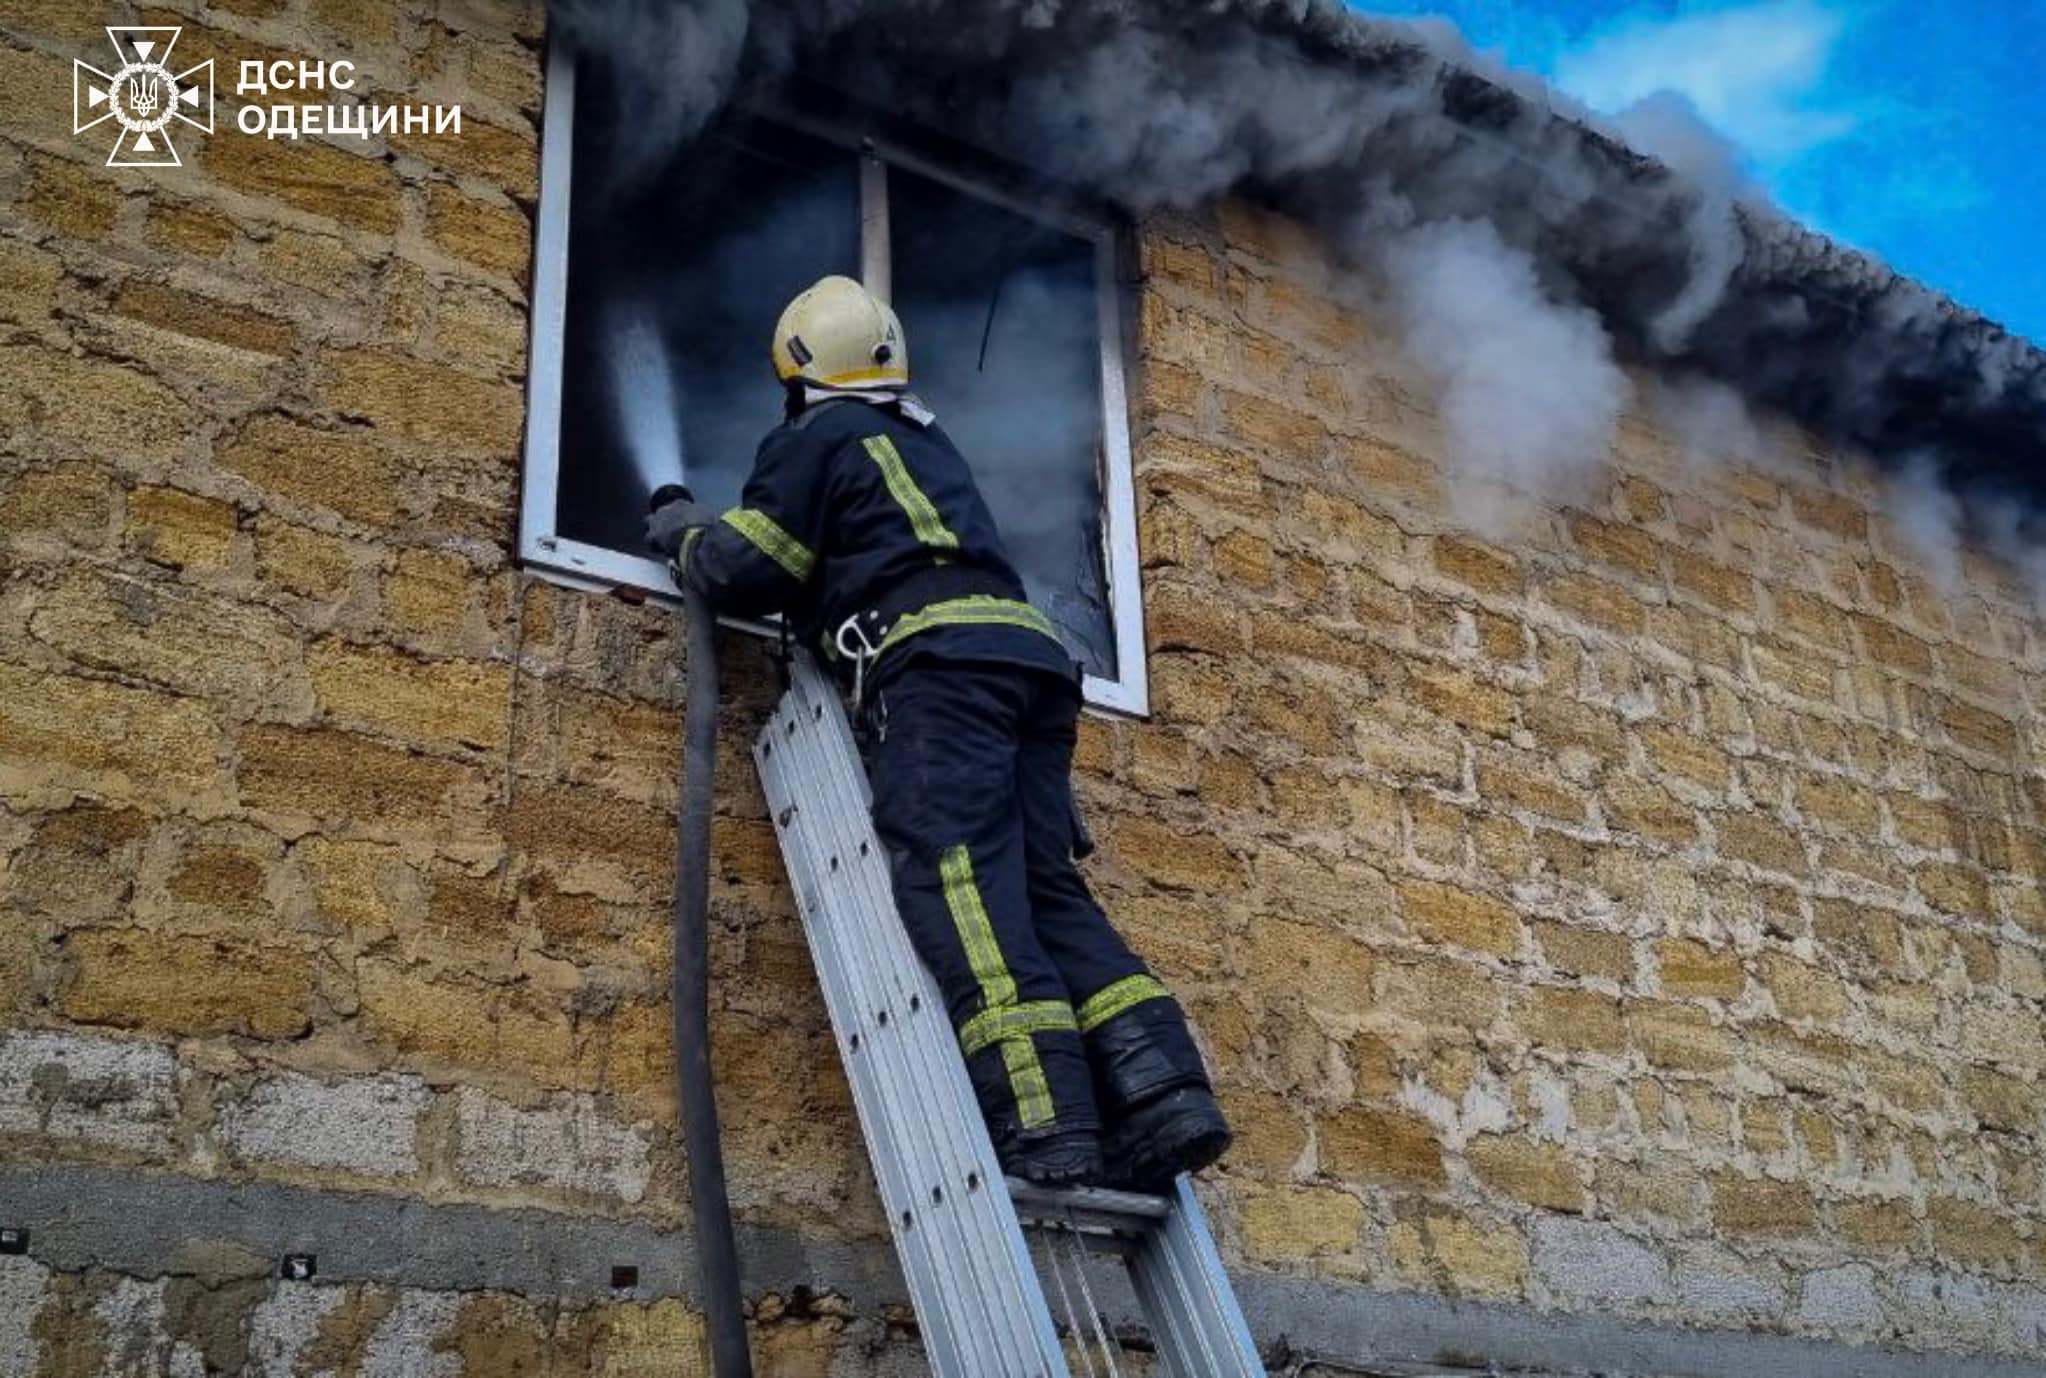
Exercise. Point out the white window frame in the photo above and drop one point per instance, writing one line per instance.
(581, 565)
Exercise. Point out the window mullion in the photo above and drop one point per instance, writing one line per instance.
(877, 263)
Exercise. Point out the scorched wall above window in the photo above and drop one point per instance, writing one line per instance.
(658, 279)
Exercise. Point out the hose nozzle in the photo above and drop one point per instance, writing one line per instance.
(667, 493)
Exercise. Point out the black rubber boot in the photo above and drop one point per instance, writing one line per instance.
(1069, 1158)
(1153, 1091)
(1181, 1130)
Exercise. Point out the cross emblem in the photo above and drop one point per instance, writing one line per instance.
(142, 96)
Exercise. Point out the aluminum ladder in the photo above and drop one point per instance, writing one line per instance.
(959, 1225)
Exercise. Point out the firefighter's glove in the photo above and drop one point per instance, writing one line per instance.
(668, 524)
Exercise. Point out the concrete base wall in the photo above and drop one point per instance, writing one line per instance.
(174, 1276)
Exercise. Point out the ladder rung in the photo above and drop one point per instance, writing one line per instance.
(1086, 1208)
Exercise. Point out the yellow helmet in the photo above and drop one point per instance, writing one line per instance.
(837, 334)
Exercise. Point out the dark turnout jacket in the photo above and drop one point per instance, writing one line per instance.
(856, 510)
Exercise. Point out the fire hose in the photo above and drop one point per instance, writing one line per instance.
(717, 1253)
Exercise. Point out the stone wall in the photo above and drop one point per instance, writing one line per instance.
(1637, 913)
(219, 1314)
(1635, 918)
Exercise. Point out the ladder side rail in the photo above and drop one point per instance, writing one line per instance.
(919, 1146)
(1166, 1307)
(1191, 1298)
(966, 1234)
(951, 1338)
(845, 1004)
(910, 1087)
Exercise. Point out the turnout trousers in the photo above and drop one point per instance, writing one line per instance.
(1062, 1026)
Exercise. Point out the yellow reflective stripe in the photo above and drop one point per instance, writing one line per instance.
(1027, 1080)
(1111, 1000)
(775, 543)
(976, 932)
(992, 1026)
(930, 528)
(978, 610)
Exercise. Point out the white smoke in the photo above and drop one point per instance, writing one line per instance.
(1667, 126)
(1708, 421)
(673, 65)
(1941, 523)
(1929, 518)
(1016, 378)
(1530, 393)
(2010, 531)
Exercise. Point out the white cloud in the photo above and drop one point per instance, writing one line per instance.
(1753, 72)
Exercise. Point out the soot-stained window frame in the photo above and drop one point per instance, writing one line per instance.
(551, 555)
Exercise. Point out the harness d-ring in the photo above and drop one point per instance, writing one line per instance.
(859, 653)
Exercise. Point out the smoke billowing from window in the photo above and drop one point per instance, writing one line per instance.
(1374, 131)
(1026, 413)
(674, 64)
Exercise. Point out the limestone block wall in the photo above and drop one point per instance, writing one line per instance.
(1633, 916)
(1637, 912)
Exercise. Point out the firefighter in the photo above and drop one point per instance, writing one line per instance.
(861, 525)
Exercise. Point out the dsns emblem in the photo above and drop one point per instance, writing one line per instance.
(143, 96)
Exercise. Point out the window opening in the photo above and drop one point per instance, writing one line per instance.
(655, 295)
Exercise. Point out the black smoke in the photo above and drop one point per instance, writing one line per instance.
(1368, 129)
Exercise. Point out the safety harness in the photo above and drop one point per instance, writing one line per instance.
(945, 595)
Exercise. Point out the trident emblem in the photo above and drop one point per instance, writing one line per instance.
(143, 96)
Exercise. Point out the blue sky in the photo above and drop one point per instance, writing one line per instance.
(1913, 129)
